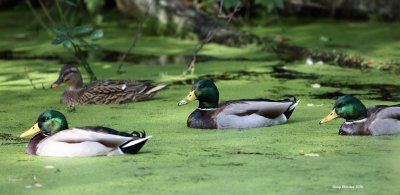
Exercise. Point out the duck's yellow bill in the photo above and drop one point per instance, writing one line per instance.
(54, 85)
(34, 130)
(330, 117)
(189, 98)
(58, 82)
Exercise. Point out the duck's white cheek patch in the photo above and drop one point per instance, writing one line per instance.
(123, 87)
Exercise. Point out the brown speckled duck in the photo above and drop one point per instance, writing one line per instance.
(103, 91)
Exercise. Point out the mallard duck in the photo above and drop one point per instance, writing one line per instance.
(245, 113)
(102, 91)
(374, 120)
(54, 138)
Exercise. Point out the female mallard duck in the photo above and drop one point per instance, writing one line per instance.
(56, 139)
(246, 113)
(375, 120)
(102, 92)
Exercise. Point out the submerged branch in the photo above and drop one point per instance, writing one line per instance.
(29, 78)
(46, 12)
(209, 37)
(79, 54)
(135, 38)
(38, 18)
(294, 52)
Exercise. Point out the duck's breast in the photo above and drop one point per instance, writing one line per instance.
(355, 128)
(33, 144)
(202, 119)
(71, 97)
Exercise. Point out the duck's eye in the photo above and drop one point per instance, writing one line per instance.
(201, 86)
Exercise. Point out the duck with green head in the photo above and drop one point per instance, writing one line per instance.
(244, 113)
(374, 120)
(54, 138)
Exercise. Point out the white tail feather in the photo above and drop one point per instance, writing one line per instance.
(156, 88)
(134, 142)
(293, 106)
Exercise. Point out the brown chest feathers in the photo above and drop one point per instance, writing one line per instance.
(202, 119)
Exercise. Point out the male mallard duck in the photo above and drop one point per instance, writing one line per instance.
(376, 120)
(245, 113)
(56, 139)
(102, 92)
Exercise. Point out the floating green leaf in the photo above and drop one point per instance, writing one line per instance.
(96, 35)
(70, 3)
(279, 4)
(79, 30)
(83, 42)
(271, 5)
(60, 30)
(67, 43)
(93, 46)
(231, 3)
(57, 41)
(94, 6)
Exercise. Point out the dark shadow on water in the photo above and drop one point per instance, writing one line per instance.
(11, 55)
(335, 45)
(8, 139)
(271, 155)
(384, 92)
(229, 164)
(233, 75)
(279, 71)
(329, 95)
(116, 56)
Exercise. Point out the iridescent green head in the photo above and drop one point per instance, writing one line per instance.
(205, 91)
(347, 107)
(49, 123)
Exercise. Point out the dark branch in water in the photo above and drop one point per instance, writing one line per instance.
(80, 55)
(29, 78)
(209, 36)
(135, 38)
(38, 18)
(293, 52)
(46, 12)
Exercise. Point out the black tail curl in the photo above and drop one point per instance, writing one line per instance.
(133, 149)
(141, 134)
(290, 110)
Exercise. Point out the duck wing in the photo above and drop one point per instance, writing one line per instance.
(119, 91)
(263, 107)
(376, 108)
(253, 113)
(86, 134)
(386, 121)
